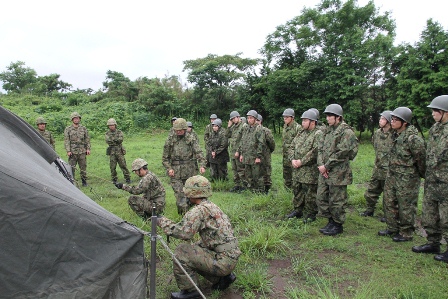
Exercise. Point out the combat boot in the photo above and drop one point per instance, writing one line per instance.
(442, 257)
(367, 213)
(309, 218)
(84, 183)
(334, 229)
(427, 248)
(330, 223)
(224, 282)
(235, 189)
(128, 181)
(186, 295)
(386, 232)
(401, 238)
(296, 214)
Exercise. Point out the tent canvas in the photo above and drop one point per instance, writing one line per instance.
(55, 241)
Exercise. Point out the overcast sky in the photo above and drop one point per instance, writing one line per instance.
(81, 40)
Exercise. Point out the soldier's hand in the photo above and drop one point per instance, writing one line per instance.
(87, 152)
(229, 124)
(257, 161)
(119, 185)
(69, 154)
(171, 172)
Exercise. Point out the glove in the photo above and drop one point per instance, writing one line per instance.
(119, 185)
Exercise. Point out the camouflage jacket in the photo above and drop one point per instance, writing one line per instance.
(338, 146)
(207, 132)
(382, 142)
(181, 153)
(210, 222)
(254, 140)
(76, 139)
(150, 186)
(115, 139)
(48, 137)
(437, 154)
(218, 143)
(304, 147)
(407, 154)
(288, 135)
(234, 134)
(269, 145)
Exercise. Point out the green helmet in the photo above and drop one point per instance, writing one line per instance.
(440, 102)
(309, 114)
(243, 120)
(75, 114)
(213, 116)
(111, 122)
(217, 122)
(259, 117)
(315, 111)
(386, 115)
(40, 120)
(335, 109)
(138, 163)
(252, 113)
(234, 114)
(190, 124)
(197, 187)
(403, 113)
(180, 124)
(289, 112)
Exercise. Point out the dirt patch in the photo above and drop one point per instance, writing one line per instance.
(276, 274)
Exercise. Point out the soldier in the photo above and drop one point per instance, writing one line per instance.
(215, 255)
(251, 153)
(180, 154)
(151, 188)
(233, 132)
(77, 145)
(406, 166)
(269, 148)
(219, 155)
(320, 125)
(207, 132)
(290, 130)
(41, 128)
(338, 147)
(303, 156)
(435, 209)
(190, 129)
(382, 142)
(116, 151)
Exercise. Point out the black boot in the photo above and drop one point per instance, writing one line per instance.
(296, 214)
(367, 213)
(330, 223)
(401, 238)
(267, 188)
(334, 229)
(427, 248)
(235, 189)
(442, 257)
(185, 295)
(309, 218)
(386, 232)
(128, 181)
(84, 183)
(224, 282)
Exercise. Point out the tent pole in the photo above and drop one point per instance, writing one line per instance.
(152, 279)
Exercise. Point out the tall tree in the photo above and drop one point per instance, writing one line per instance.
(17, 76)
(118, 85)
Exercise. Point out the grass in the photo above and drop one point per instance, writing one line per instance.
(357, 264)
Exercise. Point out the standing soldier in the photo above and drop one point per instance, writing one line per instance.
(290, 130)
(180, 154)
(338, 147)
(151, 188)
(219, 155)
(406, 166)
(251, 153)
(190, 129)
(207, 132)
(303, 156)
(77, 145)
(269, 148)
(320, 125)
(382, 142)
(234, 129)
(116, 151)
(41, 128)
(215, 255)
(435, 208)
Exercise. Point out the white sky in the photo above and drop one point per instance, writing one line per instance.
(81, 40)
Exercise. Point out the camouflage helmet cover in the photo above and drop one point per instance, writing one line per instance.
(217, 122)
(40, 120)
(234, 114)
(440, 102)
(180, 124)
(386, 115)
(197, 187)
(138, 163)
(335, 109)
(75, 114)
(403, 113)
(252, 113)
(289, 112)
(111, 122)
(309, 114)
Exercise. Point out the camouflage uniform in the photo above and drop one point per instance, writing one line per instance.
(406, 166)
(153, 194)
(304, 147)
(47, 136)
(214, 255)
(218, 143)
(254, 139)
(269, 148)
(382, 142)
(339, 145)
(234, 133)
(77, 141)
(289, 132)
(182, 153)
(116, 154)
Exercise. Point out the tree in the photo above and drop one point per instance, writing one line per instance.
(17, 77)
(118, 85)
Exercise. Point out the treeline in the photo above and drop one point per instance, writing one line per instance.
(337, 52)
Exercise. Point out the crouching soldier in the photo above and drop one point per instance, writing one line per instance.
(151, 188)
(216, 253)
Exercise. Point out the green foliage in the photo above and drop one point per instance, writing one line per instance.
(17, 77)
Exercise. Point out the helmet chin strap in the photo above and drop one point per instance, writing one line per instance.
(442, 113)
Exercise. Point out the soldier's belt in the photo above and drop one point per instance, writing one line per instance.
(227, 246)
(179, 162)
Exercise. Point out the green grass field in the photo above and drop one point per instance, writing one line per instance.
(283, 258)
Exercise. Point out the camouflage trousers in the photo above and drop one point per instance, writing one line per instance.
(253, 177)
(143, 207)
(400, 200)
(182, 202)
(119, 159)
(218, 171)
(197, 260)
(305, 198)
(238, 171)
(287, 173)
(374, 189)
(435, 211)
(81, 160)
(331, 201)
(267, 171)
